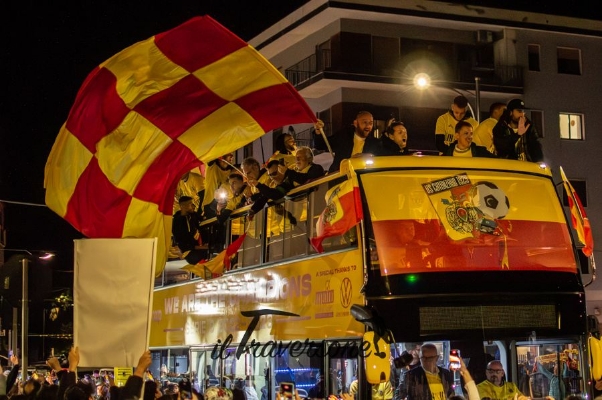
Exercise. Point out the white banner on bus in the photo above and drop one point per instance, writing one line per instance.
(112, 296)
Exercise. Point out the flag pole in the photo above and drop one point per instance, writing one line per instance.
(321, 131)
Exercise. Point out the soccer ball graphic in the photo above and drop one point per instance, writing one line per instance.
(491, 200)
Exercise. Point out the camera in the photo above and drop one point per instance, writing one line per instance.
(403, 360)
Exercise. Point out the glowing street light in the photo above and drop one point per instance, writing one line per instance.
(422, 81)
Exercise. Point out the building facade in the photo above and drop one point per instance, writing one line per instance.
(346, 56)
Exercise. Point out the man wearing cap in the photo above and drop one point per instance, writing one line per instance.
(446, 123)
(515, 137)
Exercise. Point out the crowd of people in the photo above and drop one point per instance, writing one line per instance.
(426, 380)
(506, 134)
(63, 383)
(421, 378)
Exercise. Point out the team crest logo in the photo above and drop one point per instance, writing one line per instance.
(330, 212)
(472, 209)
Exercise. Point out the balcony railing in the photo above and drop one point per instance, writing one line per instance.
(500, 76)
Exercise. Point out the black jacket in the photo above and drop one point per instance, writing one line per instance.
(342, 146)
(415, 386)
(476, 151)
(386, 147)
(315, 171)
(184, 229)
(511, 145)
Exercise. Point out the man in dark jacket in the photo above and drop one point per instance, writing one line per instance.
(186, 232)
(463, 146)
(348, 143)
(418, 386)
(393, 142)
(515, 137)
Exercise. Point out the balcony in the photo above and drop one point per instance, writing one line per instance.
(319, 67)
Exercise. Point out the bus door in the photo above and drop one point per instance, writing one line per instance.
(344, 367)
(170, 364)
(550, 368)
(223, 368)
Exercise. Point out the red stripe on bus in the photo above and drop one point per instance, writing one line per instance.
(408, 246)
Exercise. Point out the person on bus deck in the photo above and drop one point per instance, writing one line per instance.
(216, 175)
(393, 142)
(253, 174)
(304, 169)
(238, 187)
(347, 143)
(286, 149)
(279, 186)
(427, 382)
(495, 387)
(186, 232)
(483, 134)
(515, 137)
(446, 123)
(463, 146)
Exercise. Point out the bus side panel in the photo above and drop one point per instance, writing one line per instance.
(319, 291)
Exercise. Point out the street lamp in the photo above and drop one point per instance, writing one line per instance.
(25, 302)
(422, 81)
(24, 316)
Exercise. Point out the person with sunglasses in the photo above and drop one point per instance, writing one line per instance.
(495, 386)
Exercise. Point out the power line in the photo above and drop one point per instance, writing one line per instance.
(22, 203)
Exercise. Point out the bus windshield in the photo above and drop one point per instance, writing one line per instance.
(480, 220)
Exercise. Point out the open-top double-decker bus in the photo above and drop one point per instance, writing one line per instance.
(471, 254)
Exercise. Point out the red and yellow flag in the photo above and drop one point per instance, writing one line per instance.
(153, 112)
(219, 263)
(578, 217)
(343, 211)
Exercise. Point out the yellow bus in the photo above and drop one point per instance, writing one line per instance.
(473, 254)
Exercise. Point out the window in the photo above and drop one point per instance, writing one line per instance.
(537, 121)
(385, 54)
(569, 61)
(571, 126)
(533, 50)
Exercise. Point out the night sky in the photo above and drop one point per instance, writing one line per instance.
(47, 50)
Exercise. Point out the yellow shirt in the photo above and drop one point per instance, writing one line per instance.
(382, 391)
(505, 392)
(446, 125)
(189, 185)
(215, 177)
(435, 385)
(358, 145)
(289, 159)
(483, 134)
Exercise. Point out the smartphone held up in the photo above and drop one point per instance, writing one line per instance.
(454, 359)
(287, 390)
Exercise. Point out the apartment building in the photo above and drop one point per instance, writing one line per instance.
(345, 56)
